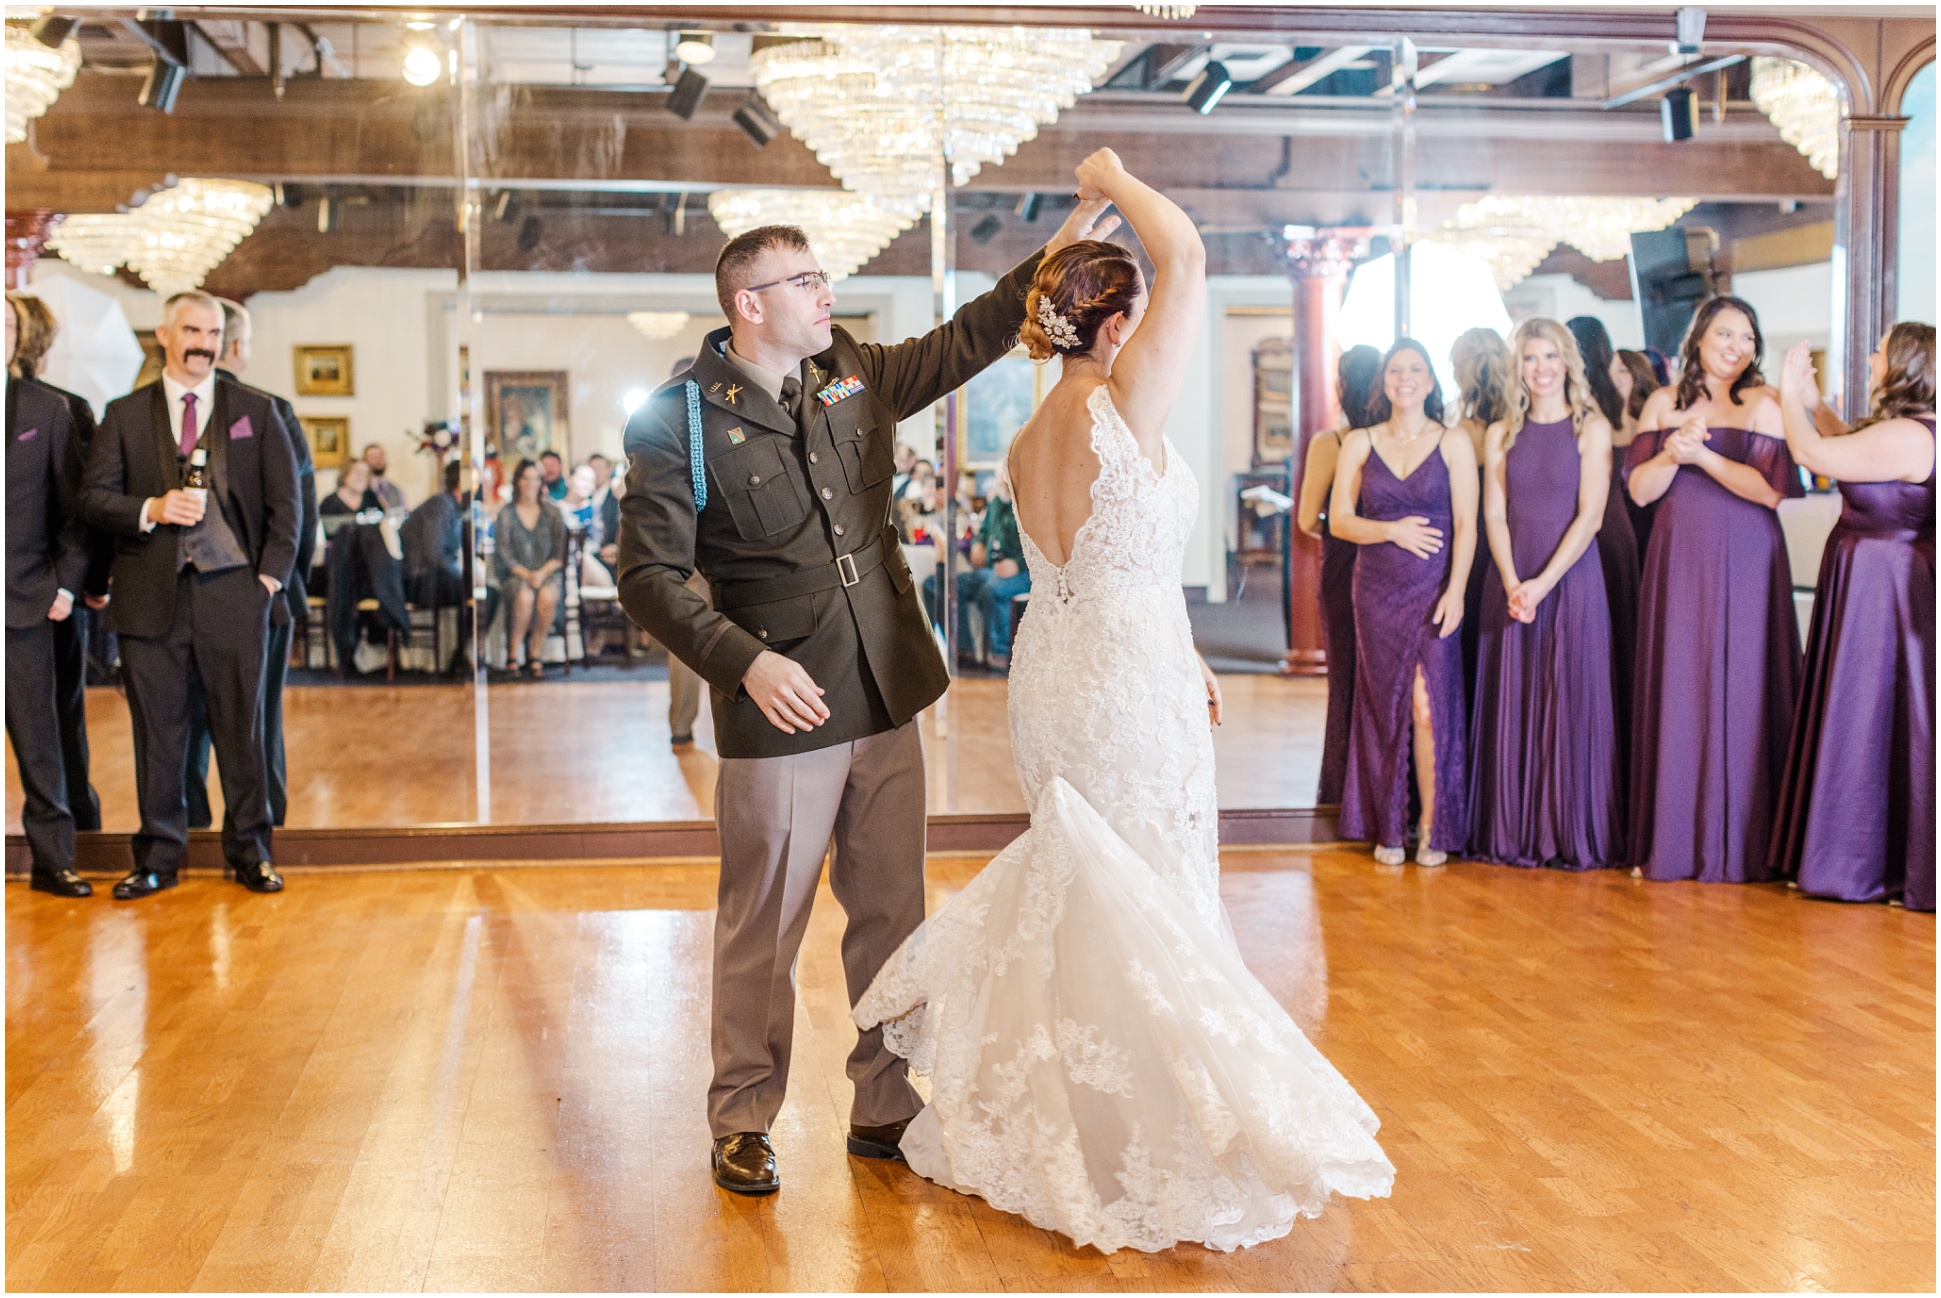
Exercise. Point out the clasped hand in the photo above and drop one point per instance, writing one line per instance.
(787, 695)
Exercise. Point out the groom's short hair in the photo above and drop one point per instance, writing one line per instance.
(733, 269)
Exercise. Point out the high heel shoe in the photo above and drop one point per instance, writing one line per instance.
(1389, 856)
(1424, 854)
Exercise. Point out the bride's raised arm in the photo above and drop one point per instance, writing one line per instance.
(1147, 374)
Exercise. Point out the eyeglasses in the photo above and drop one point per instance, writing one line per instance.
(808, 280)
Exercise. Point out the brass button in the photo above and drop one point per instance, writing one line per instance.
(754, 479)
(836, 528)
(828, 494)
(763, 633)
(814, 458)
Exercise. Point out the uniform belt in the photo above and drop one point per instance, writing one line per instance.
(847, 570)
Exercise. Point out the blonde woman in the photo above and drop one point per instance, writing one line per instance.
(1484, 382)
(1543, 777)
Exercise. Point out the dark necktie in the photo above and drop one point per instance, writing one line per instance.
(188, 424)
(792, 398)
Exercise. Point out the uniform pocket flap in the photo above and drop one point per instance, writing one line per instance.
(747, 468)
(779, 621)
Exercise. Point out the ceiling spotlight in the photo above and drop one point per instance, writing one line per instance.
(507, 208)
(330, 215)
(687, 94)
(422, 66)
(53, 32)
(1028, 206)
(529, 231)
(756, 122)
(289, 193)
(1209, 87)
(695, 48)
(1680, 109)
(163, 85)
(986, 230)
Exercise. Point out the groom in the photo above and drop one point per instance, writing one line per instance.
(815, 644)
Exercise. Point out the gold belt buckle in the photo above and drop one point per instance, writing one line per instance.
(846, 569)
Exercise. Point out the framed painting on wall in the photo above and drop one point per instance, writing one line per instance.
(329, 437)
(325, 370)
(994, 405)
(525, 413)
(1273, 402)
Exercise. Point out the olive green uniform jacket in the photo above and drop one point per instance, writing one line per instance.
(796, 539)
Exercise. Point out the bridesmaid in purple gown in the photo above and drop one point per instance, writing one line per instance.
(1856, 813)
(1405, 492)
(1718, 641)
(1480, 360)
(1543, 786)
(1355, 376)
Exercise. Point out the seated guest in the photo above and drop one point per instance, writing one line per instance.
(919, 517)
(529, 551)
(610, 519)
(602, 481)
(552, 473)
(389, 494)
(906, 463)
(920, 472)
(355, 493)
(583, 517)
(433, 538)
(997, 574)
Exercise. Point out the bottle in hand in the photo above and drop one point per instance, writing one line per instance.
(196, 481)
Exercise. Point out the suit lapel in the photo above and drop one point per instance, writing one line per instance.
(166, 449)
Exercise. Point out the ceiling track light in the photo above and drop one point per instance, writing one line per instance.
(1680, 110)
(687, 94)
(1209, 87)
(695, 48)
(756, 122)
(507, 208)
(1028, 205)
(163, 85)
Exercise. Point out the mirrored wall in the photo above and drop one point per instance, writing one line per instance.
(472, 248)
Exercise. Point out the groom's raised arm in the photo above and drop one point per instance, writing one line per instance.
(914, 374)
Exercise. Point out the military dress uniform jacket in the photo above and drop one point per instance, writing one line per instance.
(796, 540)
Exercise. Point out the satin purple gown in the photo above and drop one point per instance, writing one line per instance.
(1718, 669)
(1856, 814)
(1395, 594)
(1338, 627)
(1618, 552)
(1543, 784)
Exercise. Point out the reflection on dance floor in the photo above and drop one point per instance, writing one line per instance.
(495, 1080)
(594, 752)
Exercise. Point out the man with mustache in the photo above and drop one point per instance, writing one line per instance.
(197, 584)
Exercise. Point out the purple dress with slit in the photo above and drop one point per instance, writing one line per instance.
(1856, 813)
(1395, 594)
(1543, 781)
(1718, 669)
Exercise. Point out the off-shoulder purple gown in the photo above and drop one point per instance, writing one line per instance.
(1543, 782)
(1718, 669)
(1856, 814)
(1395, 593)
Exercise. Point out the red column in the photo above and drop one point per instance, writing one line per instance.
(26, 232)
(1319, 261)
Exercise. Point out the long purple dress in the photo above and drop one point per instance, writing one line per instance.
(1543, 782)
(1617, 552)
(1395, 594)
(1718, 669)
(1338, 626)
(1856, 814)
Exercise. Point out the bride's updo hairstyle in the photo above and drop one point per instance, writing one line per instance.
(1077, 289)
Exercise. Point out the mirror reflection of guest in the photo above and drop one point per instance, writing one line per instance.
(997, 575)
(389, 494)
(552, 473)
(529, 550)
(354, 495)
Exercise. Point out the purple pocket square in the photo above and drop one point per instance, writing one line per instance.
(241, 429)
(29, 435)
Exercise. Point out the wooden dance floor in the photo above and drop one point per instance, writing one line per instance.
(464, 1079)
(591, 752)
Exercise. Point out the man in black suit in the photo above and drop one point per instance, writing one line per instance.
(37, 328)
(296, 597)
(196, 585)
(46, 560)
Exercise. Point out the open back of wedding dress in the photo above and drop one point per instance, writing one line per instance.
(1101, 1062)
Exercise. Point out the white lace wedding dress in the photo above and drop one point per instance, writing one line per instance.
(1101, 1062)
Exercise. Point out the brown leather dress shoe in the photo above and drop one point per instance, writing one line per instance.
(878, 1142)
(744, 1163)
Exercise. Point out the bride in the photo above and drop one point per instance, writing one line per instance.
(1100, 1059)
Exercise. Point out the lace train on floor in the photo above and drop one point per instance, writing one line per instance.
(1101, 1061)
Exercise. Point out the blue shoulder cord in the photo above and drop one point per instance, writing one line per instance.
(694, 446)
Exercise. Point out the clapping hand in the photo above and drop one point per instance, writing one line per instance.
(1416, 536)
(1687, 445)
(1797, 378)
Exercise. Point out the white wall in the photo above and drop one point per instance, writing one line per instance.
(1559, 298)
(1795, 304)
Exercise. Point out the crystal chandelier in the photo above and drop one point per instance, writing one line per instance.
(883, 107)
(174, 239)
(1514, 234)
(36, 76)
(658, 326)
(844, 229)
(1804, 106)
(1168, 11)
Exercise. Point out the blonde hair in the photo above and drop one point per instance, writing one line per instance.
(35, 328)
(1481, 360)
(1577, 388)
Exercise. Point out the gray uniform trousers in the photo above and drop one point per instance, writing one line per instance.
(776, 816)
(683, 686)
